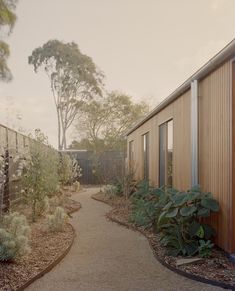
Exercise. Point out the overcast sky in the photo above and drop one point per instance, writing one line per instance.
(146, 48)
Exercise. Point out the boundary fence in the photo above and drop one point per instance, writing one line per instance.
(102, 168)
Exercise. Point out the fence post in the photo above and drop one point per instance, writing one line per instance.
(6, 191)
(6, 195)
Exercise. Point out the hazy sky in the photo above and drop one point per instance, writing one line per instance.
(146, 48)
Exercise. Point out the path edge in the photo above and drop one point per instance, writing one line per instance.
(51, 265)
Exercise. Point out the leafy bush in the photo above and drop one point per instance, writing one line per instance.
(146, 205)
(14, 237)
(56, 222)
(205, 248)
(177, 216)
(65, 169)
(180, 223)
(110, 190)
(69, 170)
(39, 177)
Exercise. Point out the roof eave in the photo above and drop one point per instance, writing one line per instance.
(214, 62)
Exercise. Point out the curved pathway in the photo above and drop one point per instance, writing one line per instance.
(108, 257)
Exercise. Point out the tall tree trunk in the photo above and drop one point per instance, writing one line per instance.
(59, 128)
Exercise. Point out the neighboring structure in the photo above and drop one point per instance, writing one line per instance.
(189, 139)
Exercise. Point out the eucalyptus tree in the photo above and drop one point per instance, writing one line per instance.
(7, 22)
(74, 79)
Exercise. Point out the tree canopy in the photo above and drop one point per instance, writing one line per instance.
(74, 78)
(7, 22)
(103, 123)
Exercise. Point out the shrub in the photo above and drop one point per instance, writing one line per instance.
(39, 177)
(65, 169)
(14, 237)
(56, 222)
(180, 222)
(110, 190)
(205, 248)
(76, 186)
(43, 206)
(69, 170)
(177, 216)
(145, 205)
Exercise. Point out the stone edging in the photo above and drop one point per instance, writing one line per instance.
(178, 271)
(50, 266)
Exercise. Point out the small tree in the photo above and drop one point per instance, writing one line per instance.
(40, 176)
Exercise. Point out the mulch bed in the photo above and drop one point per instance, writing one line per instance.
(47, 248)
(217, 269)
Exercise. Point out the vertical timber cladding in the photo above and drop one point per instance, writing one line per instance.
(214, 105)
(232, 204)
(179, 111)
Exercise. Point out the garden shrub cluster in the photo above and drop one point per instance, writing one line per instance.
(40, 172)
(43, 171)
(39, 177)
(179, 217)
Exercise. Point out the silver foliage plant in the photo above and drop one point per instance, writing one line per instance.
(14, 237)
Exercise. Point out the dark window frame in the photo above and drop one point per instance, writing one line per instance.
(165, 177)
(145, 151)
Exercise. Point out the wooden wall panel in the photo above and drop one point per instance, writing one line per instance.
(215, 147)
(215, 144)
(179, 110)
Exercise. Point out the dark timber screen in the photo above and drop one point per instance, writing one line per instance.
(99, 169)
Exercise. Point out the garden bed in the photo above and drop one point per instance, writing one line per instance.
(216, 270)
(46, 249)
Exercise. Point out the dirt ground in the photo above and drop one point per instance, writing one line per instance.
(106, 256)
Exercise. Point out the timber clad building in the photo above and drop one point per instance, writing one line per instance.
(189, 139)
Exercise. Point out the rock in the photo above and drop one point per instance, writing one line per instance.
(188, 261)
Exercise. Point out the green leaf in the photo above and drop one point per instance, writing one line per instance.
(203, 212)
(193, 228)
(196, 188)
(191, 248)
(188, 210)
(211, 204)
(192, 196)
(180, 198)
(172, 213)
(168, 205)
(200, 232)
(161, 216)
(157, 192)
(208, 231)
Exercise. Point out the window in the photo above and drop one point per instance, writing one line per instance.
(166, 153)
(145, 141)
(131, 155)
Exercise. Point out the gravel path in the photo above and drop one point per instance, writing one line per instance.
(108, 257)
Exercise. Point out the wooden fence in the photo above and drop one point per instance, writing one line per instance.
(12, 144)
